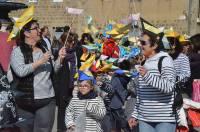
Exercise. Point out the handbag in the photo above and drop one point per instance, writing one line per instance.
(8, 112)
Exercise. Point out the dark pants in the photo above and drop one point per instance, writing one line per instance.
(61, 127)
(13, 129)
(41, 120)
(115, 120)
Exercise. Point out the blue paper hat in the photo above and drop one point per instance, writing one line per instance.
(83, 77)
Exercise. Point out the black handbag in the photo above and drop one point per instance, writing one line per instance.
(8, 112)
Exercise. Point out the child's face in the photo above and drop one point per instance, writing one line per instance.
(85, 87)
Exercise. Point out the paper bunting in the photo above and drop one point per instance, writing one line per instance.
(89, 20)
(134, 17)
(166, 43)
(112, 32)
(134, 52)
(74, 11)
(146, 26)
(111, 60)
(88, 63)
(90, 47)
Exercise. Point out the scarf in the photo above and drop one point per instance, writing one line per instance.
(90, 95)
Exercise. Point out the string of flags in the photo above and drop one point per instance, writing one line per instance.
(115, 42)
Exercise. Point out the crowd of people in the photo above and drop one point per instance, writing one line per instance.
(95, 86)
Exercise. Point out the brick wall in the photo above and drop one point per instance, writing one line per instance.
(159, 12)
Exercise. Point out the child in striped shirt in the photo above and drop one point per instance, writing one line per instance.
(85, 110)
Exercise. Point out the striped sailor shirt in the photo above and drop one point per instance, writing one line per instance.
(155, 92)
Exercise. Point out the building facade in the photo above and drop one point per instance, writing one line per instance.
(168, 13)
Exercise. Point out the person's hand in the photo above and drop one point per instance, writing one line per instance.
(62, 53)
(132, 122)
(45, 58)
(71, 128)
(142, 71)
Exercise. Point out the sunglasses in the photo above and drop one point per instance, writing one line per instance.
(142, 42)
(35, 28)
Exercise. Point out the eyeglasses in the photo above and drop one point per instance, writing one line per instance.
(84, 86)
(35, 28)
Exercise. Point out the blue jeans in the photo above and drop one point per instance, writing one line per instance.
(156, 127)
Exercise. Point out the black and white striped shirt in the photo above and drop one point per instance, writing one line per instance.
(155, 92)
(95, 111)
(182, 67)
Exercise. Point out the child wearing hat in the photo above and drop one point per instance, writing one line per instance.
(85, 110)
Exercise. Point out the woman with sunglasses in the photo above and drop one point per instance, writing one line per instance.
(153, 108)
(32, 67)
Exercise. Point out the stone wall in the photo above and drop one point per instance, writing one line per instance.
(159, 12)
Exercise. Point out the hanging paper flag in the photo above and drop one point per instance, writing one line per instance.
(109, 27)
(111, 60)
(74, 11)
(134, 52)
(93, 29)
(88, 63)
(146, 26)
(134, 17)
(90, 47)
(89, 20)
(103, 57)
(166, 43)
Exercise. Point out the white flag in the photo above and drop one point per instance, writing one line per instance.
(74, 11)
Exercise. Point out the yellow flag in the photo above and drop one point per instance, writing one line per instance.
(26, 17)
(84, 56)
(112, 32)
(93, 29)
(151, 28)
(88, 63)
(106, 67)
(86, 30)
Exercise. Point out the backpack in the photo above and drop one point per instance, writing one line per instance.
(178, 99)
(111, 49)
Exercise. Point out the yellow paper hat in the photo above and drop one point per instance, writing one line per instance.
(171, 33)
(86, 30)
(125, 29)
(182, 38)
(94, 29)
(119, 25)
(88, 63)
(26, 17)
(119, 36)
(106, 67)
(112, 32)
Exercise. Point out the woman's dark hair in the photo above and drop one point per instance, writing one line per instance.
(178, 47)
(26, 27)
(195, 41)
(43, 29)
(70, 38)
(125, 65)
(155, 39)
(88, 36)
